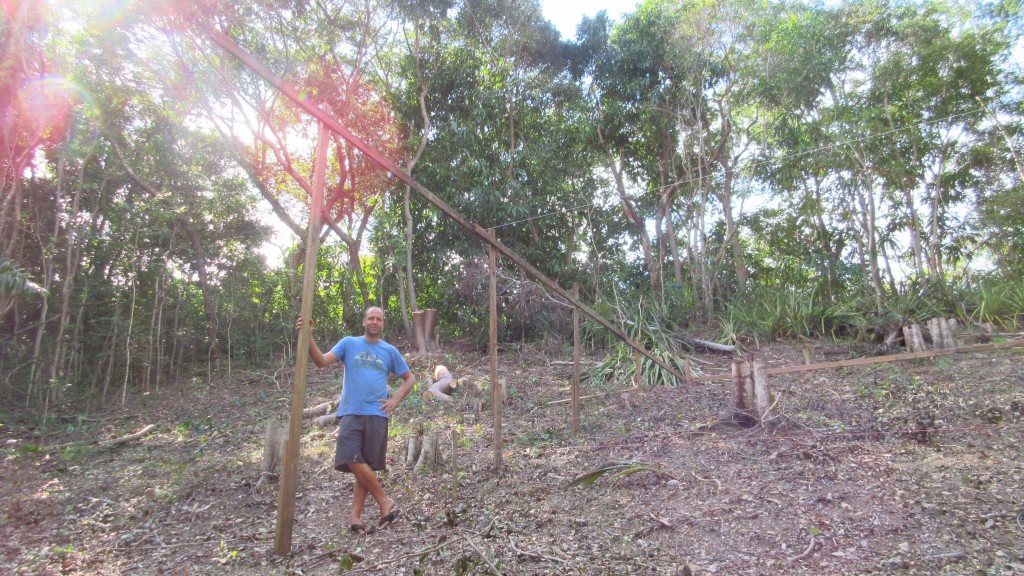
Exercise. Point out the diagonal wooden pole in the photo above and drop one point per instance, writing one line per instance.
(290, 466)
(497, 398)
(386, 164)
(576, 362)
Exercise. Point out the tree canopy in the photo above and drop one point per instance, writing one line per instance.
(702, 157)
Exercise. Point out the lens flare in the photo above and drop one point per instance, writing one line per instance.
(47, 108)
(110, 12)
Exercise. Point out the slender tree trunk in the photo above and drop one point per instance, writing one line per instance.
(935, 236)
(131, 323)
(199, 254)
(409, 278)
(112, 350)
(915, 232)
(866, 199)
(635, 221)
(732, 235)
(202, 270)
(828, 263)
(406, 210)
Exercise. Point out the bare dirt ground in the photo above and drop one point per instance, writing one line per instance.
(904, 468)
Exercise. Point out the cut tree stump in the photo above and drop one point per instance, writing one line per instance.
(943, 332)
(752, 398)
(425, 452)
(913, 339)
(273, 450)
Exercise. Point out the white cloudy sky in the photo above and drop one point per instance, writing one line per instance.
(566, 14)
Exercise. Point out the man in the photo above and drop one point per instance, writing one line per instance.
(364, 410)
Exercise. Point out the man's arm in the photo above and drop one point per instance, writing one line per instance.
(389, 405)
(319, 358)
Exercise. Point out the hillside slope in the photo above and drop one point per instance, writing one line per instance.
(912, 468)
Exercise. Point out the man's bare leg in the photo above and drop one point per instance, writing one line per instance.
(359, 493)
(367, 483)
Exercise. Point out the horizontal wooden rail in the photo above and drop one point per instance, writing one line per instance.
(872, 360)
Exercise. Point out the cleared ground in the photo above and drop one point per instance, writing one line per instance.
(904, 468)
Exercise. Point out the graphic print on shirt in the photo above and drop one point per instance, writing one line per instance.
(369, 361)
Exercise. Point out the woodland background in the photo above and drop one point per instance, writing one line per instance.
(737, 169)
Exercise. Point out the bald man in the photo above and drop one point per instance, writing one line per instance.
(363, 412)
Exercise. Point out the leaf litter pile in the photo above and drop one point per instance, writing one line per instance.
(905, 468)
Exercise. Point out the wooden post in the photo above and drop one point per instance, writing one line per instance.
(762, 396)
(497, 398)
(636, 356)
(743, 391)
(290, 466)
(576, 362)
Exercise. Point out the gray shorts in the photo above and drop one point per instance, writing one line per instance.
(362, 439)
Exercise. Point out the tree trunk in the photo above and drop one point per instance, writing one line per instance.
(202, 270)
(639, 226)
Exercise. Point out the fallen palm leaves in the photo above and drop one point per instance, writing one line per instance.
(619, 470)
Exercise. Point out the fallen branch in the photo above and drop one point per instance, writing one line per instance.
(806, 553)
(376, 568)
(957, 555)
(534, 554)
(714, 346)
(483, 556)
(588, 396)
(126, 439)
(715, 480)
(76, 418)
(664, 523)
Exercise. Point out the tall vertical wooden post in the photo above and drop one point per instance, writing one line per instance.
(639, 372)
(290, 466)
(576, 362)
(497, 398)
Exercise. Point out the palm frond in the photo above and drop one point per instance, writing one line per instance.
(618, 470)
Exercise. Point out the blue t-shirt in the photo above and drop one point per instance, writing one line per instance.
(368, 366)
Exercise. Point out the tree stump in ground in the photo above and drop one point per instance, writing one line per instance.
(273, 450)
(477, 393)
(752, 398)
(912, 337)
(943, 332)
(424, 323)
(426, 451)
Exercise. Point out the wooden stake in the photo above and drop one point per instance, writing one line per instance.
(740, 383)
(762, 397)
(636, 357)
(497, 398)
(576, 362)
(289, 468)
